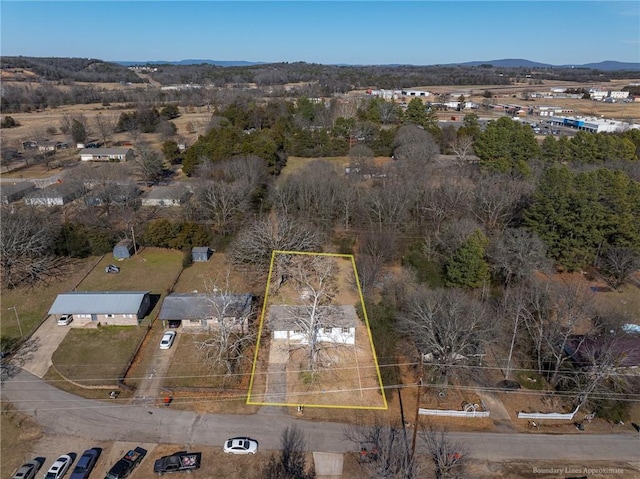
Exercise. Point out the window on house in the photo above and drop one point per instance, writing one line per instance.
(345, 330)
(297, 331)
(327, 330)
(109, 315)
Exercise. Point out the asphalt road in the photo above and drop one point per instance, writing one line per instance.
(59, 412)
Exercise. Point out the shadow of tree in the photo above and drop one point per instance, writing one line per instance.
(11, 364)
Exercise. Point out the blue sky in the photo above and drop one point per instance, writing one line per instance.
(328, 32)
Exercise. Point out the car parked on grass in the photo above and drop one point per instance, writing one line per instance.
(29, 469)
(59, 468)
(240, 445)
(65, 320)
(86, 463)
(167, 339)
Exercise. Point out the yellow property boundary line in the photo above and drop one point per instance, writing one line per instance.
(366, 320)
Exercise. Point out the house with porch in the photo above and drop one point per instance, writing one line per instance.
(122, 308)
(337, 323)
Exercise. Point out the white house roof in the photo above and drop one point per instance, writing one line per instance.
(282, 317)
(178, 306)
(98, 302)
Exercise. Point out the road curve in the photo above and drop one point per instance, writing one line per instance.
(59, 412)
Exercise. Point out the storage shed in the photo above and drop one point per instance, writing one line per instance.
(124, 249)
(201, 254)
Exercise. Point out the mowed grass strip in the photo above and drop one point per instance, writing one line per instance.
(33, 303)
(153, 269)
(97, 356)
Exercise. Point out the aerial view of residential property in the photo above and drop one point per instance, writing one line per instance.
(320, 239)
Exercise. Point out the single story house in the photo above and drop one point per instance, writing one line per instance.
(50, 145)
(165, 196)
(106, 154)
(14, 191)
(124, 249)
(621, 352)
(339, 324)
(57, 194)
(201, 254)
(114, 194)
(29, 145)
(204, 310)
(123, 308)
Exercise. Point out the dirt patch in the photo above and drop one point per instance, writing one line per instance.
(19, 432)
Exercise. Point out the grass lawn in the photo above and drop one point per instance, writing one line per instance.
(97, 356)
(32, 304)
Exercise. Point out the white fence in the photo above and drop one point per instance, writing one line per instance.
(452, 413)
(549, 415)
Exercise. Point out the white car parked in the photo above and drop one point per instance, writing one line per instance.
(59, 468)
(241, 445)
(167, 339)
(65, 320)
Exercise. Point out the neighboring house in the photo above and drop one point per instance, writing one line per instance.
(57, 194)
(340, 324)
(204, 310)
(622, 352)
(50, 145)
(106, 154)
(14, 191)
(123, 308)
(200, 254)
(165, 196)
(29, 145)
(112, 195)
(124, 249)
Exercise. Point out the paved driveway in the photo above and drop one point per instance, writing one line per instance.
(38, 351)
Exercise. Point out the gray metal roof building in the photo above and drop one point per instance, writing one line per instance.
(179, 306)
(98, 302)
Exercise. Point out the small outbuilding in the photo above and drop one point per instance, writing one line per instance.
(201, 254)
(124, 249)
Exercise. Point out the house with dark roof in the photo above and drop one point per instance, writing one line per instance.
(338, 324)
(165, 196)
(106, 154)
(621, 352)
(206, 310)
(57, 194)
(123, 308)
(15, 191)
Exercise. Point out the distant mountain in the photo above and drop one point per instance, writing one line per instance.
(505, 63)
(221, 63)
(522, 63)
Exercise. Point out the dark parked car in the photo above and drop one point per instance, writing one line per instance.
(86, 463)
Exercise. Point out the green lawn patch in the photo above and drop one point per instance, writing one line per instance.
(97, 356)
(531, 380)
(32, 303)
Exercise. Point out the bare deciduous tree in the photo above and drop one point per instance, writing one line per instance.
(617, 265)
(449, 457)
(516, 254)
(149, 165)
(384, 451)
(231, 333)
(105, 125)
(26, 247)
(255, 244)
(462, 147)
(495, 200)
(291, 463)
(313, 278)
(446, 326)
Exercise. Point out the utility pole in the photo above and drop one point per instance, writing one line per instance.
(17, 319)
(415, 424)
(135, 246)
